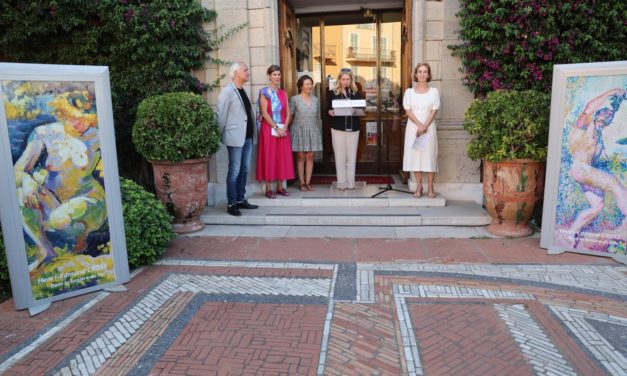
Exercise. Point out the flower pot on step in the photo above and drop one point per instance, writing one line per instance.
(182, 187)
(511, 191)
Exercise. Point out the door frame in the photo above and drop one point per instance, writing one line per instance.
(287, 47)
(287, 51)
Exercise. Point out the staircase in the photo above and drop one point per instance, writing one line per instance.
(330, 207)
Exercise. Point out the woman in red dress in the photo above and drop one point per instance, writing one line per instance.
(274, 154)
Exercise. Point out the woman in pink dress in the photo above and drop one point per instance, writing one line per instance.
(274, 154)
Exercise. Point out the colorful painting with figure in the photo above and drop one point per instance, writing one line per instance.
(591, 212)
(55, 148)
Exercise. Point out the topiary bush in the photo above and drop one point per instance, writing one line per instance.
(147, 224)
(513, 44)
(174, 127)
(509, 124)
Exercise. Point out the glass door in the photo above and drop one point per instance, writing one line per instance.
(368, 44)
(389, 93)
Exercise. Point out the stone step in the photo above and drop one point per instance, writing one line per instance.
(456, 213)
(324, 196)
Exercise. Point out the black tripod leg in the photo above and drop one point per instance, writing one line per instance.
(388, 187)
(385, 189)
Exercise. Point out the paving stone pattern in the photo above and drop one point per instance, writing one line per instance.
(245, 338)
(205, 317)
(537, 347)
(465, 339)
(362, 341)
(578, 322)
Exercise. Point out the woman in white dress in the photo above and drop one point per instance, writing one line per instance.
(421, 103)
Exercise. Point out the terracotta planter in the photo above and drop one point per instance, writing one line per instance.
(511, 190)
(182, 187)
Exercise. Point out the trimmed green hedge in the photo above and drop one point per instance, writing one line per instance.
(147, 224)
(509, 124)
(174, 127)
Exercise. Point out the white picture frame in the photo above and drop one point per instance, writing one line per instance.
(58, 154)
(585, 196)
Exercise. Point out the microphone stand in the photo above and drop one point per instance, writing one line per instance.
(388, 186)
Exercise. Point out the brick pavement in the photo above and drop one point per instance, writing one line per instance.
(465, 339)
(337, 307)
(245, 338)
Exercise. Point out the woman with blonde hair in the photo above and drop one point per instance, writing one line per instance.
(344, 131)
(421, 103)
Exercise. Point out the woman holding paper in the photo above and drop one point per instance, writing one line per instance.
(421, 103)
(344, 131)
(274, 154)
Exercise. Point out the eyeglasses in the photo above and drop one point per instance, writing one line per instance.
(346, 70)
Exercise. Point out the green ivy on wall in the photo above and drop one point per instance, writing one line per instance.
(150, 46)
(513, 44)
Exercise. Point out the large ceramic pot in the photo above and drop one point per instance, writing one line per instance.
(511, 190)
(182, 187)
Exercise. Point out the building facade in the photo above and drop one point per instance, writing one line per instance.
(381, 42)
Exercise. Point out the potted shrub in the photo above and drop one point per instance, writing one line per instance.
(510, 134)
(176, 133)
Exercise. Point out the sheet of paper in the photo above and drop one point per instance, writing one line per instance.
(354, 103)
(343, 111)
(421, 142)
(274, 132)
(372, 134)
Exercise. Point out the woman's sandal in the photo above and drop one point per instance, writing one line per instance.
(309, 187)
(270, 194)
(432, 195)
(303, 188)
(418, 194)
(282, 192)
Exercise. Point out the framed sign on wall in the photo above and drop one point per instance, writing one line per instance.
(61, 212)
(585, 199)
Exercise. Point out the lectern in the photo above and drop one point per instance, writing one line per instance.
(349, 107)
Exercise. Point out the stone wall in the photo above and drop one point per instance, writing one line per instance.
(257, 45)
(434, 29)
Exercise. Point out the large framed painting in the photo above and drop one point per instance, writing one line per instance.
(585, 199)
(61, 212)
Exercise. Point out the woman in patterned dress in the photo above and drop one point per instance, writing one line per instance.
(306, 138)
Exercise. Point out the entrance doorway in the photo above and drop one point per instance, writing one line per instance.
(371, 45)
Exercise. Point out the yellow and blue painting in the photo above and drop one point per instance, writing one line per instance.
(591, 212)
(55, 148)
